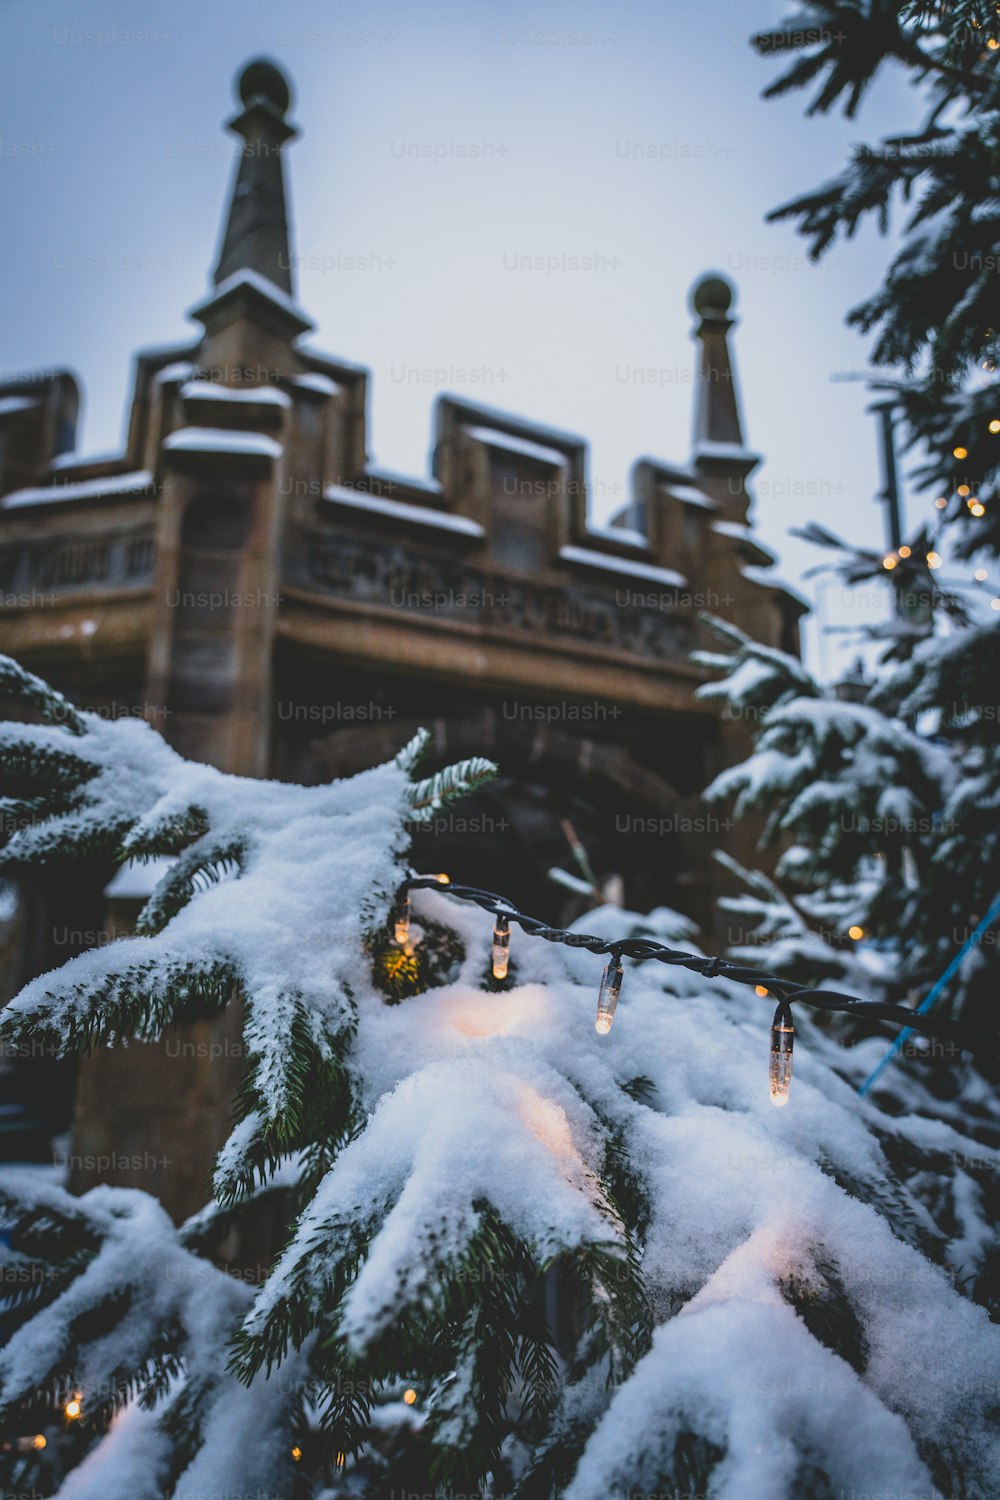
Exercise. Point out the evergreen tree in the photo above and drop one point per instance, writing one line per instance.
(886, 808)
(527, 1259)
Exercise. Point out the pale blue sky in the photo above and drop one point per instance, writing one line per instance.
(634, 134)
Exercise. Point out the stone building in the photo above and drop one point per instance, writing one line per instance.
(244, 578)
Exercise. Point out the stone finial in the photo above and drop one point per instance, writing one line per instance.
(256, 236)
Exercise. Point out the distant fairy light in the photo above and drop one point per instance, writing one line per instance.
(73, 1408)
(995, 425)
(904, 551)
(977, 508)
(856, 932)
(964, 490)
(995, 604)
(933, 560)
(409, 1396)
(960, 452)
(980, 575)
(761, 990)
(940, 503)
(889, 561)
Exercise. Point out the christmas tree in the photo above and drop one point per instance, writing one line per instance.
(886, 808)
(529, 1257)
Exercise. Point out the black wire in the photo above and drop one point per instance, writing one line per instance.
(782, 990)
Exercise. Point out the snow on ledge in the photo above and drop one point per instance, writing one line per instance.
(623, 566)
(258, 283)
(731, 452)
(626, 534)
(11, 405)
(84, 489)
(222, 440)
(399, 510)
(208, 390)
(498, 439)
(315, 380)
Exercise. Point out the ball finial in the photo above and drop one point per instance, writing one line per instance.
(713, 295)
(261, 76)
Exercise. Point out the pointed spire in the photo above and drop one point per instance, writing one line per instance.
(256, 234)
(717, 408)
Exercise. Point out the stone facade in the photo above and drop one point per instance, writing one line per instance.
(244, 578)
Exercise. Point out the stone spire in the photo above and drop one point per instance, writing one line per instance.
(256, 234)
(717, 408)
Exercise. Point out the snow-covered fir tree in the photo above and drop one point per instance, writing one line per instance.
(886, 807)
(527, 1259)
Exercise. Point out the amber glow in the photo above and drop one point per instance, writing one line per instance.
(73, 1408)
(933, 561)
(40, 1440)
(995, 425)
(297, 1454)
(960, 452)
(761, 989)
(977, 509)
(855, 932)
(889, 561)
(409, 1396)
(904, 551)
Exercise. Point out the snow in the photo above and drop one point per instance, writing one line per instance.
(12, 406)
(467, 1097)
(506, 440)
(313, 380)
(258, 283)
(624, 534)
(400, 510)
(258, 395)
(178, 370)
(221, 440)
(137, 879)
(624, 566)
(689, 495)
(729, 452)
(84, 489)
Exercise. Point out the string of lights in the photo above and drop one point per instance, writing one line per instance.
(641, 950)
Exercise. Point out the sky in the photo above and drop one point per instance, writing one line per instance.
(443, 147)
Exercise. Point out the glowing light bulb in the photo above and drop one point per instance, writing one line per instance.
(933, 561)
(607, 999)
(992, 43)
(782, 1042)
(940, 503)
(980, 575)
(964, 490)
(443, 879)
(960, 452)
(409, 1396)
(501, 947)
(977, 509)
(856, 932)
(401, 921)
(904, 551)
(297, 1454)
(39, 1440)
(995, 425)
(73, 1408)
(889, 561)
(995, 604)
(761, 990)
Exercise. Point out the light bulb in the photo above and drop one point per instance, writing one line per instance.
(607, 999)
(977, 509)
(904, 551)
(297, 1454)
(73, 1408)
(981, 575)
(960, 452)
(889, 561)
(856, 932)
(782, 1041)
(409, 1396)
(995, 425)
(401, 921)
(933, 560)
(501, 947)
